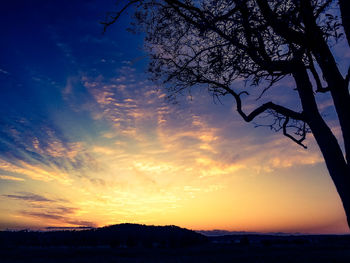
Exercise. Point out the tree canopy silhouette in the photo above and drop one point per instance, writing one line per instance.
(214, 43)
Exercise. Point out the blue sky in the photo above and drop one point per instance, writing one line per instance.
(48, 46)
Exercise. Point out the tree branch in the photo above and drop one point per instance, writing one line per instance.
(279, 66)
(322, 8)
(285, 133)
(117, 15)
(279, 25)
(319, 87)
(347, 78)
(266, 106)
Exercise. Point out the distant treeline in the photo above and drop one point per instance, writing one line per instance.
(123, 235)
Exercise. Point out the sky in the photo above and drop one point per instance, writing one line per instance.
(87, 140)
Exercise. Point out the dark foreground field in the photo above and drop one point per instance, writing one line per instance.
(203, 253)
(136, 243)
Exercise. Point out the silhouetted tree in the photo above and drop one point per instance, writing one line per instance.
(213, 43)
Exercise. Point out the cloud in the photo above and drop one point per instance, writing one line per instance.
(33, 136)
(28, 197)
(42, 215)
(58, 219)
(40, 151)
(200, 136)
(51, 210)
(55, 148)
(11, 178)
(35, 172)
(4, 72)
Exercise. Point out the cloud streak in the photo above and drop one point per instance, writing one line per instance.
(28, 197)
(11, 178)
(58, 219)
(50, 210)
(4, 72)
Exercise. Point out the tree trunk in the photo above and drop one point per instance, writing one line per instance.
(331, 73)
(338, 89)
(327, 142)
(335, 162)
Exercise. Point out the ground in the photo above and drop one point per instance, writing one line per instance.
(245, 249)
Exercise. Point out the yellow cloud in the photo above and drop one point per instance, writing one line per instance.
(35, 172)
(11, 178)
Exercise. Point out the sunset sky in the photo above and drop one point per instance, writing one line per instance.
(87, 140)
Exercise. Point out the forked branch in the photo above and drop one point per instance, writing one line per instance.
(303, 134)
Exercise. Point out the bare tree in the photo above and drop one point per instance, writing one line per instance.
(212, 43)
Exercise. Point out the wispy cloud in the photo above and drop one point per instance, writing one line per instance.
(140, 117)
(11, 178)
(52, 210)
(58, 219)
(35, 172)
(28, 197)
(4, 72)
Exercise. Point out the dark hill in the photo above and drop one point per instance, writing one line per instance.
(123, 235)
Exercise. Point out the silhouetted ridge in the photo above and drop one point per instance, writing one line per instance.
(122, 236)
